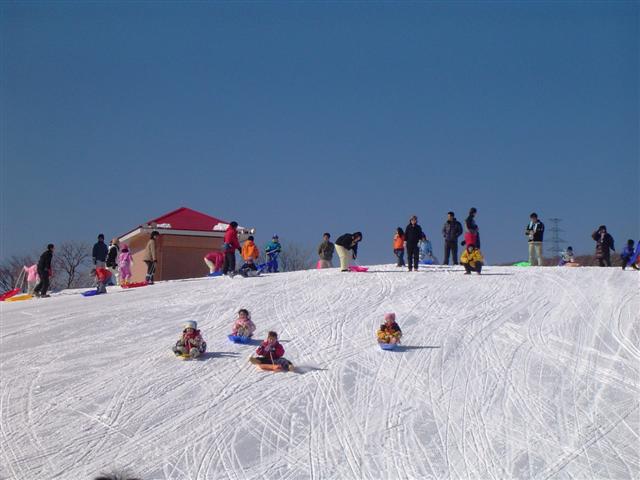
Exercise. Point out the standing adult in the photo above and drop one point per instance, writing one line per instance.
(150, 256)
(472, 235)
(451, 230)
(535, 234)
(112, 260)
(325, 251)
(604, 243)
(412, 235)
(44, 272)
(231, 244)
(345, 243)
(100, 252)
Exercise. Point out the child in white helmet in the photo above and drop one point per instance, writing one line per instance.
(190, 343)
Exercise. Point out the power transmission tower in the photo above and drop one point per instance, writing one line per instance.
(555, 247)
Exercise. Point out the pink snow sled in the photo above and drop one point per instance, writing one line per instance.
(358, 268)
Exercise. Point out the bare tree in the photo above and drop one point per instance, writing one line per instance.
(11, 269)
(70, 264)
(295, 257)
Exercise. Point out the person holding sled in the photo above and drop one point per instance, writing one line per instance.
(214, 261)
(44, 272)
(190, 344)
(243, 326)
(271, 352)
(103, 275)
(451, 230)
(412, 235)
(272, 252)
(325, 251)
(604, 243)
(389, 331)
(472, 260)
(627, 255)
(344, 244)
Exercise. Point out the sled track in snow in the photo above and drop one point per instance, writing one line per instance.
(531, 373)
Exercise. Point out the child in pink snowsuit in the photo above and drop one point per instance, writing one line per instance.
(124, 264)
(32, 277)
(243, 326)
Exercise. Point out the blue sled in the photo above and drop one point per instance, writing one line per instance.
(215, 274)
(388, 346)
(90, 293)
(239, 339)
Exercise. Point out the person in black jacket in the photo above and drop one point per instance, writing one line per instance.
(535, 234)
(604, 243)
(44, 271)
(412, 235)
(112, 261)
(451, 230)
(344, 243)
(100, 252)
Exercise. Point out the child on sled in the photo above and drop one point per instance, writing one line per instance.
(272, 352)
(389, 331)
(190, 343)
(243, 326)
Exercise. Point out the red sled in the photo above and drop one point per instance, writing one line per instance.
(134, 285)
(9, 294)
(357, 268)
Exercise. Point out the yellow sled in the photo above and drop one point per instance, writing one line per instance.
(18, 298)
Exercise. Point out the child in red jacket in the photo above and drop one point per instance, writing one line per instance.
(272, 352)
(102, 277)
(190, 342)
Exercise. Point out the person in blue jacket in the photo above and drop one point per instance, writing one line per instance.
(272, 251)
(627, 254)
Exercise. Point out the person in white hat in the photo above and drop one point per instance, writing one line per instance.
(190, 344)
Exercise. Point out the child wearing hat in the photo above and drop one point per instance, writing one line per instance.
(272, 250)
(389, 331)
(271, 352)
(125, 260)
(472, 260)
(190, 344)
(243, 326)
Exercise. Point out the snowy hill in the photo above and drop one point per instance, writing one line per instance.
(518, 373)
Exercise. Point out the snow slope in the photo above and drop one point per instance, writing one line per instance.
(518, 373)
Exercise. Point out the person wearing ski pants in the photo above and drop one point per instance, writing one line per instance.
(412, 235)
(344, 243)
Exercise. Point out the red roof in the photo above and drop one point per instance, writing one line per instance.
(186, 219)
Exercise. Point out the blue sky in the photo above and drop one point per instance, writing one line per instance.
(305, 117)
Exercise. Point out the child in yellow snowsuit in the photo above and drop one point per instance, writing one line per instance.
(389, 331)
(471, 260)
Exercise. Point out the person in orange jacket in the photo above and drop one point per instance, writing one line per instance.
(249, 250)
(102, 277)
(398, 246)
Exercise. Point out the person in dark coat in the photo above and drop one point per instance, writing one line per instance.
(451, 230)
(535, 235)
(112, 261)
(604, 243)
(325, 251)
(100, 252)
(344, 243)
(44, 272)
(412, 235)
